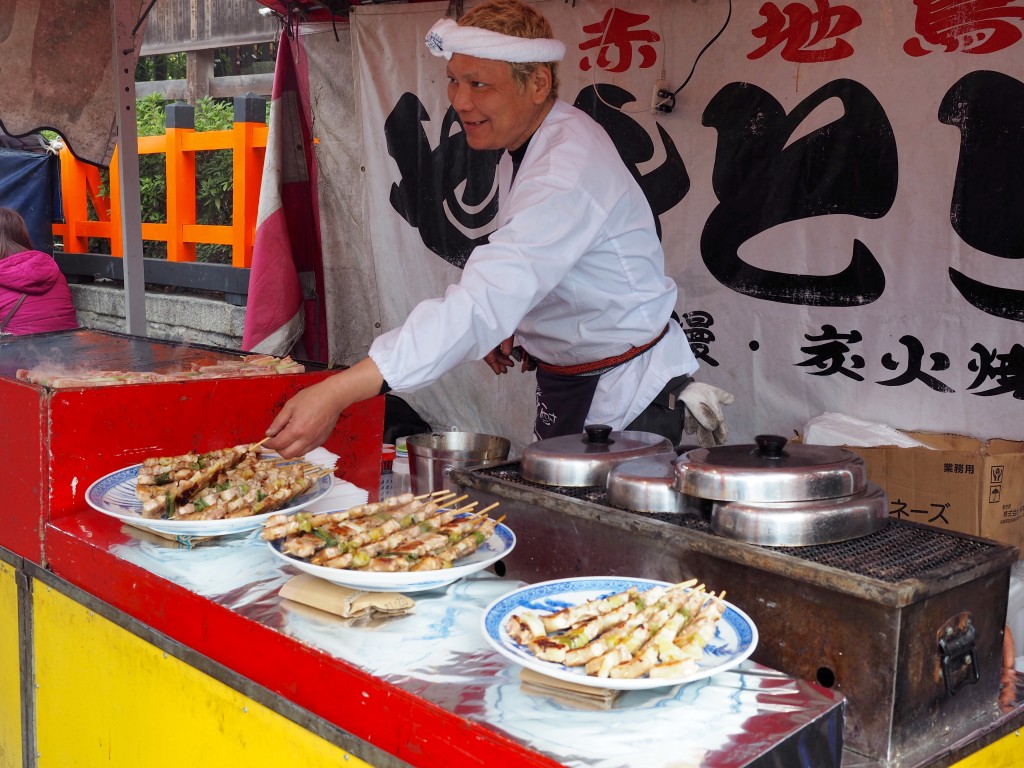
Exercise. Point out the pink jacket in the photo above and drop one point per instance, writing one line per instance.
(47, 305)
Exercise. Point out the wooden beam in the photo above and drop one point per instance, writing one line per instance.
(226, 87)
(198, 74)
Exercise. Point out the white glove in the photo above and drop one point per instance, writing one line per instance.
(703, 416)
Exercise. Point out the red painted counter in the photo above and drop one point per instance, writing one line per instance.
(58, 441)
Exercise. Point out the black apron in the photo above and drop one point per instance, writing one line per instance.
(563, 403)
(564, 397)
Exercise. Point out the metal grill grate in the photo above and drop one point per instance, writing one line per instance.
(894, 554)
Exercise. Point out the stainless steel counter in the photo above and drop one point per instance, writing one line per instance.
(752, 715)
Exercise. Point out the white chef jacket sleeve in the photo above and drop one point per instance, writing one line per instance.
(549, 227)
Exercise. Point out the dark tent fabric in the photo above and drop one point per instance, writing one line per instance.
(30, 184)
(58, 71)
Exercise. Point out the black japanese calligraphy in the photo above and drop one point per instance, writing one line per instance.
(913, 371)
(764, 177)
(988, 108)
(830, 353)
(1007, 371)
(697, 327)
(446, 192)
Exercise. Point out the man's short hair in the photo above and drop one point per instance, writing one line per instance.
(515, 18)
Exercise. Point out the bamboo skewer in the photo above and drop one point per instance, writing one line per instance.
(664, 639)
(426, 515)
(435, 494)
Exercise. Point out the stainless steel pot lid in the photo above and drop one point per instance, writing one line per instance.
(585, 459)
(803, 523)
(770, 471)
(647, 484)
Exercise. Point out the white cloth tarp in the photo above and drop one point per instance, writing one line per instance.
(835, 190)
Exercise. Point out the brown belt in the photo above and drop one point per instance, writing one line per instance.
(599, 366)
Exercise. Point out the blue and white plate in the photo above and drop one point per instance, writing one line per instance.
(735, 634)
(114, 495)
(491, 551)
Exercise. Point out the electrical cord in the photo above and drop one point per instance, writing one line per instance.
(666, 99)
(668, 102)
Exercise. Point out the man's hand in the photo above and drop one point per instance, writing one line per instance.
(305, 422)
(308, 418)
(504, 356)
(703, 417)
(500, 358)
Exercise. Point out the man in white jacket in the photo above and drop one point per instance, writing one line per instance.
(572, 282)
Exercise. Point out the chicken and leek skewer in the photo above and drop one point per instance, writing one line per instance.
(429, 532)
(660, 632)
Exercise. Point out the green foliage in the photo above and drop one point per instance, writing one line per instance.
(171, 66)
(213, 168)
(150, 116)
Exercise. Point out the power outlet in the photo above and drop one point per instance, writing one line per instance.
(657, 97)
(660, 99)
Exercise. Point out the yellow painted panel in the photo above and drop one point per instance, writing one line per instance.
(1008, 752)
(10, 679)
(107, 698)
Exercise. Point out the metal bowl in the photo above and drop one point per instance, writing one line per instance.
(770, 471)
(646, 484)
(585, 459)
(776, 494)
(802, 523)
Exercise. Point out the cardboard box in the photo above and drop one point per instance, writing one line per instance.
(960, 484)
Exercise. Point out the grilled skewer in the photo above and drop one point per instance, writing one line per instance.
(231, 482)
(400, 534)
(660, 632)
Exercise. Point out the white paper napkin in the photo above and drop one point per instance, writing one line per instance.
(322, 457)
(840, 429)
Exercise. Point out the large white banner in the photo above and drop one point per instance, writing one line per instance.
(837, 186)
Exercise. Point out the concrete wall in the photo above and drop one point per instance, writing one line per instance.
(171, 316)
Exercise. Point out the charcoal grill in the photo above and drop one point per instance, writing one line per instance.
(907, 622)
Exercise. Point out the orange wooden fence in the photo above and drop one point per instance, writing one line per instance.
(81, 184)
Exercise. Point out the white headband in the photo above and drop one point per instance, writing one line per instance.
(446, 37)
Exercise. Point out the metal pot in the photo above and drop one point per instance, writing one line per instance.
(802, 523)
(776, 494)
(585, 459)
(433, 455)
(647, 484)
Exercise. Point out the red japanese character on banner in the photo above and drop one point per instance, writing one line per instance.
(968, 26)
(618, 30)
(806, 31)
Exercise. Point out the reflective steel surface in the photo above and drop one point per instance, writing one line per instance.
(858, 616)
(439, 653)
(803, 523)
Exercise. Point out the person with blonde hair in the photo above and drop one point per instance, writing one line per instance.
(34, 294)
(572, 281)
